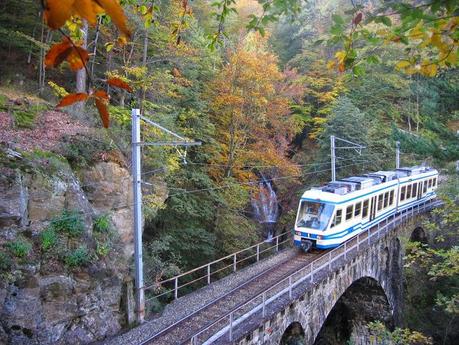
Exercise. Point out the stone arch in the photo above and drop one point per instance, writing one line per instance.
(419, 235)
(365, 300)
(293, 335)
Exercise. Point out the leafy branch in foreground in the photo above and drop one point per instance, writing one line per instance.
(427, 32)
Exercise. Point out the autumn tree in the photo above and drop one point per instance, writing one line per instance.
(250, 113)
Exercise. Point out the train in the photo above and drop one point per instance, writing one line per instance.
(332, 214)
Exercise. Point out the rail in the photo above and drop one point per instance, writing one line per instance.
(212, 271)
(259, 303)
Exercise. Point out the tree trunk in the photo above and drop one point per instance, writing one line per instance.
(82, 74)
(94, 51)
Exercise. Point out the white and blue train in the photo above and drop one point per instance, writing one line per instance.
(332, 214)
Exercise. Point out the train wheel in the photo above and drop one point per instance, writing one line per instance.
(306, 246)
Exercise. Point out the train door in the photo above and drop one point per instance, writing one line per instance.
(419, 196)
(373, 208)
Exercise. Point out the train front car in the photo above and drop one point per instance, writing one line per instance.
(313, 220)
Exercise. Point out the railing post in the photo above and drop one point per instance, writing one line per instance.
(234, 263)
(231, 327)
(264, 304)
(176, 288)
(290, 287)
(208, 274)
(258, 252)
(329, 262)
(277, 243)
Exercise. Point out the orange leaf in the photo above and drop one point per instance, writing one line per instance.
(117, 82)
(85, 9)
(58, 53)
(77, 58)
(115, 11)
(57, 12)
(341, 67)
(72, 98)
(101, 94)
(101, 104)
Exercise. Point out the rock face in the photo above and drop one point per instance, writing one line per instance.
(44, 298)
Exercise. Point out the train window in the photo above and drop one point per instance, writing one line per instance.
(358, 208)
(434, 182)
(402, 193)
(391, 197)
(424, 189)
(415, 189)
(380, 201)
(408, 191)
(386, 199)
(365, 209)
(337, 218)
(430, 183)
(314, 215)
(349, 210)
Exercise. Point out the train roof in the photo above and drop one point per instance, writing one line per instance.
(350, 187)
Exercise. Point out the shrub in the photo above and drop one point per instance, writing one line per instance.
(70, 223)
(19, 248)
(81, 151)
(102, 224)
(102, 249)
(48, 238)
(5, 262)
(79, 257)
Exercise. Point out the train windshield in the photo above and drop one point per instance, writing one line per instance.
(314, 215)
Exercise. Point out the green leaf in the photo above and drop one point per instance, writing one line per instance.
(386, 21)
(338, 19)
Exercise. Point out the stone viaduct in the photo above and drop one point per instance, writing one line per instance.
(336, 304)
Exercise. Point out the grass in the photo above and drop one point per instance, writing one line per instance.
(70, 223)
(102, 224)
(78, 258)
(5, 262)
(20, 248)
(48, 239)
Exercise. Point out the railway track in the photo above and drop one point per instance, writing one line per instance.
(182, 331)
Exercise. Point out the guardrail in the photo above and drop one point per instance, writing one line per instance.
(219, 268)
(259, 303)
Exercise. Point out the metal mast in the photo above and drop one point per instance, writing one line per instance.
(397, 154)
(137, 188)
(351, 146)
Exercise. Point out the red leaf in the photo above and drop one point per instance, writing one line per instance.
(72, 98)
(358, 18)
(58, 53)
(117, 82)
(77, 58)
(101, 104)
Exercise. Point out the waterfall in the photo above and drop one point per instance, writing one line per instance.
(265, 206)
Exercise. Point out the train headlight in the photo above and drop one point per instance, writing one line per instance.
(298, 233)
(319, 237)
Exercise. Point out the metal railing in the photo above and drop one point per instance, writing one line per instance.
(215, 270)
(259, 303)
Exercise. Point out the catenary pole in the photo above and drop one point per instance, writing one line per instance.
(397, 154)
(333, 158)
(137, 184)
